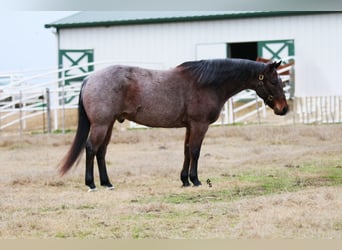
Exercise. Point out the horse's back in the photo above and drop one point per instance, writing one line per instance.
(150, 97)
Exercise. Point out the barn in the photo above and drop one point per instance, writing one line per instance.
(164, 39)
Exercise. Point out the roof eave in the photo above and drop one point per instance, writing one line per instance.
(181, 19)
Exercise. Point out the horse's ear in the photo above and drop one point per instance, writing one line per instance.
(272, 66)
(277, 64)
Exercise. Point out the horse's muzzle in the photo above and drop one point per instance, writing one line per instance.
(281, 108)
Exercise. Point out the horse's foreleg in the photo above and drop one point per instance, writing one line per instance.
(186, 164)
(197, 134)
(101, 161)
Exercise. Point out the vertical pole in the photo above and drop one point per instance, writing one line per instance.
(294, 110)
(63, 106)
(332, 106)
(322, 108)
(264, 110)
(339, 109)
(326, 109)
(20, 114)
(302, 108)
(43, 108)
(312, 109)
(233, 111)
(307, 109)
(230, 111)
(226, 113)
(48, 108)
(316, 107)
(54, 99)
(257, 108)
(0, 122)
(55, 118)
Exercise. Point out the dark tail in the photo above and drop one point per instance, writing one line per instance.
(80, 139)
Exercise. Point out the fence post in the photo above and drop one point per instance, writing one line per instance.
(294, 109)
(257, 108)
(48, 110)
(339, 109)
(225, 113)
(20, 114)
(230, 111)
(0, 120)
(63, 107)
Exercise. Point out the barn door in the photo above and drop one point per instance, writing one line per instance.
(276, 50)
(72, 58)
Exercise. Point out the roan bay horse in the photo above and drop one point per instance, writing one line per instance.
(190, 95)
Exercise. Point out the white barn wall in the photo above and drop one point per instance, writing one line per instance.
(317, 44)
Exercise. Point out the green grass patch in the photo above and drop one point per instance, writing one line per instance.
(264, 182)
(60, 131)
(61, 235)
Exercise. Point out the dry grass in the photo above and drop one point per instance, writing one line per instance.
(267, 182)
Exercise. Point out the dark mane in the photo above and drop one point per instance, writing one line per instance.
(219, 71)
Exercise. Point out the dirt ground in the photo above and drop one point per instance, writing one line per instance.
(301, 163)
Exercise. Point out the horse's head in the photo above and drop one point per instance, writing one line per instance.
(269, 87)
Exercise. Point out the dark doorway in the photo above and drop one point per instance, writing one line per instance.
(243, 50)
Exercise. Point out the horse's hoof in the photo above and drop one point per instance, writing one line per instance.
(108, 186)
(197, 184)
(185, 185)
(90, 190)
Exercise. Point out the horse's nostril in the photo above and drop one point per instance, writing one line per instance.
(281, 110)
(285, 109)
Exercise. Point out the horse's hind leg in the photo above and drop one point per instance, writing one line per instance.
(89, 174)
(95, 140)
(101, 161)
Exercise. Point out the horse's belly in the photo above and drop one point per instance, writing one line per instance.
(157, 117)
(155, 103)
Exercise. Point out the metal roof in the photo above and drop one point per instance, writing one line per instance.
(109, 18)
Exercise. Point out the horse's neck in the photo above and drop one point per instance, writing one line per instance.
(242, 78)
(235, 87)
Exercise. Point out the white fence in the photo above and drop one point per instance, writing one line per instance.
(317, 109)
